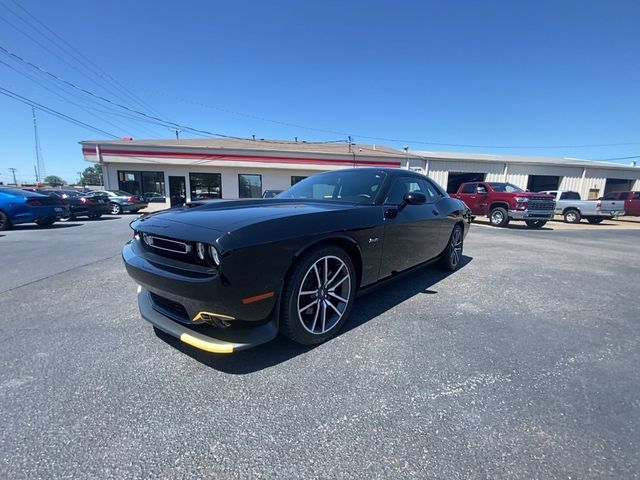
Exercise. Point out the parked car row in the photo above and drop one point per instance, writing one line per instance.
(46, 206)
(503, 202)
(21, 206)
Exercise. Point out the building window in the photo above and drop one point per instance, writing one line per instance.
(295, 179)
(205, 186)
(249, 186)
(146, 184)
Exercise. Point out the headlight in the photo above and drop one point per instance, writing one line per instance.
(522, 199)
(201, 250)
(214, 255)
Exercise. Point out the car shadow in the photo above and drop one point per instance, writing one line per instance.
(367, 307)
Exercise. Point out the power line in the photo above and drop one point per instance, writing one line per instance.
(20, 98)
(96, 72)
(386, 139)
(88, 92)
(66, 100)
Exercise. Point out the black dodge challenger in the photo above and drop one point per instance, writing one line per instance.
(229, 275)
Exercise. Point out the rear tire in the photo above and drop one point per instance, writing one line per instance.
(451, 258)
(116, 209)
(46, 222)
(572, 216)
(5, 223)
(498, 217)
(536, 223)
(318, 296)
(595, 221)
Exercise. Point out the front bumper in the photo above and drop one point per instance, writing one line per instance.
(531, 214)
(206, 337)
(175, 297)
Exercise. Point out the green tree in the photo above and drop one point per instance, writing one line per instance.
(91, 175)
(54, 181)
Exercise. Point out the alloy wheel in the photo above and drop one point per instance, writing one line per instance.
(324, 295)
(456, 247)
(497, 217)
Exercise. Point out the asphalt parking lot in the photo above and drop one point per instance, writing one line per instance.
(523, 364)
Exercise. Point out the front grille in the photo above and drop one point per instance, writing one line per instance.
(170, 308)
(543, 205)
(170, 248)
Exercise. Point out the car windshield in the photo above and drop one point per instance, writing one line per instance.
(506, 187)
(357, 186)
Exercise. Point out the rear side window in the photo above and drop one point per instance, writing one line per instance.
(469, 188)
(570, 196)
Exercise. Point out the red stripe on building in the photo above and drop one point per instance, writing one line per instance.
(243, 158)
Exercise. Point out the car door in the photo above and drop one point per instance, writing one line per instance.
(617, 204)
(469, 195)
(632, 204)
(411, 232)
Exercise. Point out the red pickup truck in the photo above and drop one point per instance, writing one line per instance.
(631, 201)
(503, 202)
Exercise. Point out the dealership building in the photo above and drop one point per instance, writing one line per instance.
(175, 171)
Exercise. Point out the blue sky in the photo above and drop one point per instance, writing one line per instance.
(501, 73)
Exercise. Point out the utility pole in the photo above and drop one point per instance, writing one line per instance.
(13, 170)
(177, 132)
(35, 169)
(39, 156)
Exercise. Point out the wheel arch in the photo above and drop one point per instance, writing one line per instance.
(349, 245)
(567, 209)
(504, 205)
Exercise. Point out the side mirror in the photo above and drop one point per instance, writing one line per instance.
(414, 198)
(481, 190)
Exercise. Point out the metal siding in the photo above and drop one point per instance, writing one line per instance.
(519, 179)
(612, 173)
(636, 185)
(591, 182)
(441, 177)
(494, 177)
(465, 166)
(573, 184)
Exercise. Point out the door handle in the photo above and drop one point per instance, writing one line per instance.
(436, 212)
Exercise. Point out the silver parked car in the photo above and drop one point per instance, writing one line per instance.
(573, 208)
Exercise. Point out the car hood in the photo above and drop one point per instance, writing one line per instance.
(222, 217)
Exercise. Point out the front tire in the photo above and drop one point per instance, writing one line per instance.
(451, 258)
(318, 296)
(116, 209)
(572, 216)
(499, 217)
(5, 223)
(536, 223)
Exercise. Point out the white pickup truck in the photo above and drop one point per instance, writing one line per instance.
(573, 209)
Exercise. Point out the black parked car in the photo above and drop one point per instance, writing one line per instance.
(81, 204)
(229, 275)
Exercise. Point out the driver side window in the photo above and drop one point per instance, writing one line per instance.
(403, 185)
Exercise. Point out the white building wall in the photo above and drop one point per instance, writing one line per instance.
(573, 184)
(271, 179)
(636, 185)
